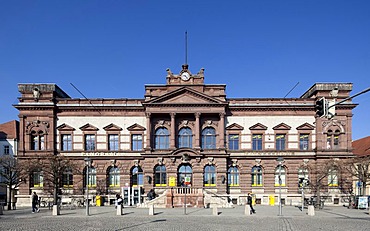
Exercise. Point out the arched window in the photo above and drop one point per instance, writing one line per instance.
(37, 140)
(160, 176)
(209, 138)
(184, 175)
(333, 177)
(257, 176)
(137, 177)
(92, 177)
(209, 175)
(280, 176)
(233, 176)
(114, 177)
(67, 179)
(333, 139)
(185, 138)
(37, 178)
(162, 138)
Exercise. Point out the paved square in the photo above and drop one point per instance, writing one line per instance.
(266, 218)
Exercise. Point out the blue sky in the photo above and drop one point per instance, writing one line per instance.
(111, 49)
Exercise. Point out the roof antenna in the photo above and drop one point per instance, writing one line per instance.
(186, 47)
(288, 94)
(85, 97)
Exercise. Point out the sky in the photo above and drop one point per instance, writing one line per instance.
(113, 48)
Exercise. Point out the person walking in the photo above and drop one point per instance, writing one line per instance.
(250, 203)
(35, 202)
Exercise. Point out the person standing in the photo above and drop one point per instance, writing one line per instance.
(250, 203)
(35, 202)
(119, 200)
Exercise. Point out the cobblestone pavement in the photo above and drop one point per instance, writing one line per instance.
(266, 218)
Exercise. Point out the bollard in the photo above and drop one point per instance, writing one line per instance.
(151, 210)
(311, 210)
(56, 210)
(120, 211)
(247, 210)
(215, 210)
(1, 209)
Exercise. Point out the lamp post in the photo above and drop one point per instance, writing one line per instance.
(280, 161)
(87, 163)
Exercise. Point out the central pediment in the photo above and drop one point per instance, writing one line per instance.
(185, 95)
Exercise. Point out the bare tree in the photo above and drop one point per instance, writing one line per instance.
(359, 168)
(13, 174)
(329, 173)
(53, 167)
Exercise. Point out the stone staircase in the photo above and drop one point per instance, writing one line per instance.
(192, 197)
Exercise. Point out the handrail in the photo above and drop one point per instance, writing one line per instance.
(226, 198)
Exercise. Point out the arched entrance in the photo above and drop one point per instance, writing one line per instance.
(184, 175)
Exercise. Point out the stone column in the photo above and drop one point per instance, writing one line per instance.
(173, 130)
(148, 130)
(197, 130)
(221, 130)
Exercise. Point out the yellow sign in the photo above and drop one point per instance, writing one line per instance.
(172, 181)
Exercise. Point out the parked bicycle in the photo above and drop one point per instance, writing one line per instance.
(313, 201)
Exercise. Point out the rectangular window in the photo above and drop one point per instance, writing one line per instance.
(67, 142)
(336, 141)
(233, 142)
(328, 142)
(333, 178)
(113, 143)
(303, 141)
(89, 142)
(34, 142)
(67, 179)
(280, 142)
(6, 150)
(137, 142)
(257, 142)
(37, 142)
(38, 180)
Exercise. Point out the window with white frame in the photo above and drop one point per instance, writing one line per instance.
(233, 176)
(209, 175)
(136, 142)
(90, 142)
(66, 142)
(113, 144)
(114, 177)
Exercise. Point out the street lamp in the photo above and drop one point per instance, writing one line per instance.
(87, 163)
(280, 161)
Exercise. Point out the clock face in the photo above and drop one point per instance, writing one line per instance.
(185, 76)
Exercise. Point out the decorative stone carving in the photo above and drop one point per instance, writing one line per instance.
(136, 163)
(234, 162)
(210, 160)
(36, 94)
(113, 163)
(185, 158)
(41, 125)
(305, 162)
(173, 159)
(258, 162)
(198, 159)
(169, 72)
(160, 160)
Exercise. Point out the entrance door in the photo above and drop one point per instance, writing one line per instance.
(185, 176)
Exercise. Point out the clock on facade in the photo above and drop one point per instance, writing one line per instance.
(185, 76)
